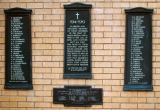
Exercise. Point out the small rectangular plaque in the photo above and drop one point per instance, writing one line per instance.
(77, 96)
(18, 70)
(77, 41)
(138, 59)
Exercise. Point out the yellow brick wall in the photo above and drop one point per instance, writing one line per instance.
(108, 50)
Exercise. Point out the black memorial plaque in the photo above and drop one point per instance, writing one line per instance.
(77, 41)
(138, 59)
(77, 96)
(18, 70)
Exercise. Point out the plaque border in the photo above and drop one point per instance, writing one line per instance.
(77, 6)
(140, 87)
(79, 86)
(17, 12)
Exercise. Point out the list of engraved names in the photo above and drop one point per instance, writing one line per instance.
(17, 74)
(137, 35)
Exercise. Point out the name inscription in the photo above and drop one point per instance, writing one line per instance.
(137, 34)
(17, 57)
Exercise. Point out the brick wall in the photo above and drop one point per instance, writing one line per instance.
(108, 50)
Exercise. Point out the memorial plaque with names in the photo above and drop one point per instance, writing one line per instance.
(18, 70)
(77, 59)
(82, 96)
(138, 59)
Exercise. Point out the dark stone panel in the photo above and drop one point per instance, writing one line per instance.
(138, 59)
(77, 47)
(77, 96)
(18, 70)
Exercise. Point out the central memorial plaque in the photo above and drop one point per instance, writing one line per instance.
(77, 96)
(18, 49)
(77, 41)
(138, 59)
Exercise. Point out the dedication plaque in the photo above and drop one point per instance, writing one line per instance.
(77, 96)
(18, 70)
(77, 50)
(138, 59)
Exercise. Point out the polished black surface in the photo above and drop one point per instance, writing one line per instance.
(77, 96)
(77, 47)
(138, 56)
(18, 70)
